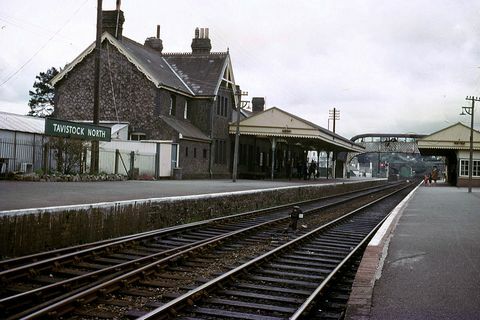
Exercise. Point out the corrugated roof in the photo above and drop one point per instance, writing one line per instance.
(16, 122)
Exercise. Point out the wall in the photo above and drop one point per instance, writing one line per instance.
(193, 163)
(32, 230)
(462, 181)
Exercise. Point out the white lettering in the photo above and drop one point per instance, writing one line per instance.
(68, 129)
(96, 133)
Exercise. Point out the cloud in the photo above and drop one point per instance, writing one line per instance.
(389, 66)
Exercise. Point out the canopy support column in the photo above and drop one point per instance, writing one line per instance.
(274, 142)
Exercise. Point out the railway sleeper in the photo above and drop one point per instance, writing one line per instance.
(252, 297)
(284, 282)
(234, 315)
(95, 313)
(317, 258)
(272, 289)
(290, 275)
(250, 305)
(296, 266)
(136, 292)
(308, 263)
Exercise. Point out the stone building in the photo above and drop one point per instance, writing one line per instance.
(184, 97)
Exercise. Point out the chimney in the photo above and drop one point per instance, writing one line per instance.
(155, 43)
(258, 104)
(112, 22)
(201, 43)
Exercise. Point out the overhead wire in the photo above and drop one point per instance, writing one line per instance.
(8, 78)
(111, 82)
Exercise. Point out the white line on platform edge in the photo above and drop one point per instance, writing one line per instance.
(376, 240)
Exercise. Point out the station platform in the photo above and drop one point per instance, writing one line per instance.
(424, 262)
(16, 195)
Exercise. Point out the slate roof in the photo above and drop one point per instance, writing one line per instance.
(188, 130)
(191, 74)
(201, 72)
(155, 64)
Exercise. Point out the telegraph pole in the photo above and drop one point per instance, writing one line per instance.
(333, 115)
(96, 89)
(239, 94)
(470, 111)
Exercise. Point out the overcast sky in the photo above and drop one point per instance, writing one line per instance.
(389, 66)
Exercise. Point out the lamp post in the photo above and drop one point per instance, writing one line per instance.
(470, 111)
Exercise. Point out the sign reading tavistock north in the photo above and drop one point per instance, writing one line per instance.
(76, 130)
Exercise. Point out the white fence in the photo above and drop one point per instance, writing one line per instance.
(145, 158)
(27, 152)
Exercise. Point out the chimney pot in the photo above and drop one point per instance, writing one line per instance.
(158, 31)
(112, 22)
(201, 43)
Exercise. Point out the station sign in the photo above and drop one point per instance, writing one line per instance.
(76, 130)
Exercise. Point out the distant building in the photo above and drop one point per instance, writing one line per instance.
(453, 143)
(184, 97)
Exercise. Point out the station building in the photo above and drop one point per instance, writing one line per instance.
(275, 144)
(453, 143)
(188, 98)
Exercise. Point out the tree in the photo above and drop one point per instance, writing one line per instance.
(68, 154)
(41, 101)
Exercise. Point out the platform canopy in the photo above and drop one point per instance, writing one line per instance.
(455, 137)
(276, 123)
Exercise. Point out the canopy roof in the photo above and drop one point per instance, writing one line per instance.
(275, 122)
(454, 137)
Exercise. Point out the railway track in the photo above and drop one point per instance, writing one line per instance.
(289, 282)
(114, 266)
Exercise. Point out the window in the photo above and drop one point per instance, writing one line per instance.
(220, 152)
(174, 155)
(173, 105)
(186, 152)
(137, 136)
(185, 110)
(194, 152)
(204, 153)
(225, 108)
(222, 106)
(464, 163)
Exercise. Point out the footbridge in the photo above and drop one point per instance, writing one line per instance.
(397, 151)
(388, 142)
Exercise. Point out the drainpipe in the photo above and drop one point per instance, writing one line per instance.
(210, 162)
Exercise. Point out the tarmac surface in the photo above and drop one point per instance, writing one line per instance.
(23, 195)
(427, 265)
